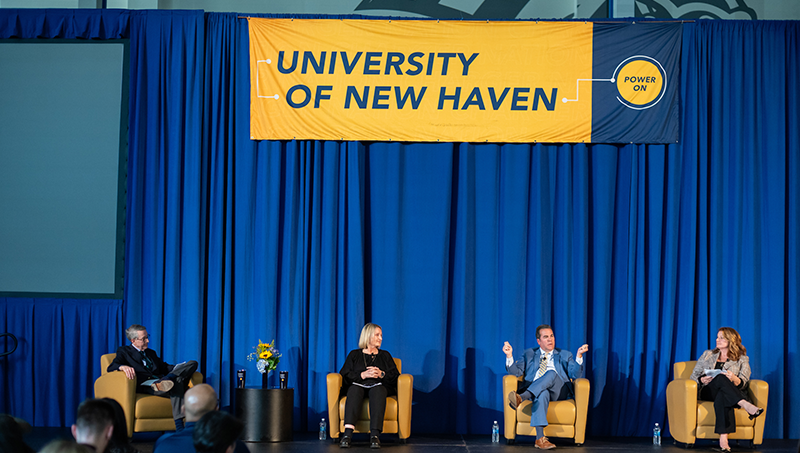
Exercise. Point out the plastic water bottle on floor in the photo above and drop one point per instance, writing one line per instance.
(495, 432)
(323, 430)
(657, 435)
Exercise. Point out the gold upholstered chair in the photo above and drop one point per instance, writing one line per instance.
(565, 418)
(143, 412)
(690, 419)
(397, 418)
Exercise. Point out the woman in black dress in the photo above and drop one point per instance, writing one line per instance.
(368, 371)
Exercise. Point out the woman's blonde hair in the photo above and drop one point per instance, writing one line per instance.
(366, 334)
(735, 347)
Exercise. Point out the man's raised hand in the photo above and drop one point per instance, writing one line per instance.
(508, 350)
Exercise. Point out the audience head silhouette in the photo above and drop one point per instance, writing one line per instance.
(11, 436)
(94, 424)
(198, 401)
(119, 443)
(216, 432)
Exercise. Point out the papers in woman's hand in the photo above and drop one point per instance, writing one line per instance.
(713, 373)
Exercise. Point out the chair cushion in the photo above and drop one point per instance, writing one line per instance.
(150, 406)
(154, 424)
(391, 409)
(558, 412)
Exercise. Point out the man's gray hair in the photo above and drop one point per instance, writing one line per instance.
(132, 332)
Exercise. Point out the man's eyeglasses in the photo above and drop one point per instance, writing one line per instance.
(146, 337)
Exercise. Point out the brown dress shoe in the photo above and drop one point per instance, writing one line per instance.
(514, 400)
(161, 387)
(544, 444)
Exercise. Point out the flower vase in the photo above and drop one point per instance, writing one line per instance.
(265, 380)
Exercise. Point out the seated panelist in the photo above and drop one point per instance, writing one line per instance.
(140, 362)
(725, 388)
(368, 371)
(547, 373)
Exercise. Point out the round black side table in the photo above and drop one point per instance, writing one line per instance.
(267, 414)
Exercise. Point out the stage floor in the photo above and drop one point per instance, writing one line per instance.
(444, 443)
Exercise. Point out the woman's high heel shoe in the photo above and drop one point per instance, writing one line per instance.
(758, 412)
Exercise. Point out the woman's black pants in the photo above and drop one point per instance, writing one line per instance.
(726, 397)
(377, 405)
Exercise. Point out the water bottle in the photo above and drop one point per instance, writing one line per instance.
(323, 430)
(495, 432)
(657, 435)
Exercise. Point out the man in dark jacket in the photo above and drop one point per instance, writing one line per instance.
(153, 375)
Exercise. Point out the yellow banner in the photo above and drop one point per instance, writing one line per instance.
(420, 80)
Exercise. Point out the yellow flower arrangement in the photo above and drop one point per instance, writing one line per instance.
(267, 356)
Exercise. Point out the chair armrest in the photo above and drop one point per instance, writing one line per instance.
(117, 386)
(334, 388)
(510, 383)
(197, 378)
(582, 389)
(405, 391)
(682, 410)
(759, 391)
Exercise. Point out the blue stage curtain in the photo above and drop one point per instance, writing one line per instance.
(285, 238)
(165, 248)
(741, 113)
(58, 357)
(27, 23)
(642, 251)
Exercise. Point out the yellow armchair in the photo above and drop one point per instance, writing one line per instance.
(690, 419)
(566, 418)
(398, 408)
(143, 412)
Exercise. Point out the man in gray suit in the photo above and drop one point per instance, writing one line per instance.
(547, 376)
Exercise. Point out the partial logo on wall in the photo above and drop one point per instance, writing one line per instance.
(695, 9)
(490, 9)
(586, 9)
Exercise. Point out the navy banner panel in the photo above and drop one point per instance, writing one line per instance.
(635, 89)
(641, 250)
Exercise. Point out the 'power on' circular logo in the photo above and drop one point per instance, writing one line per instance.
(641, 82)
